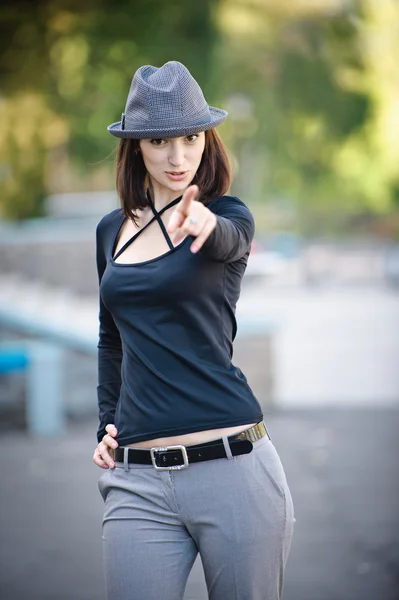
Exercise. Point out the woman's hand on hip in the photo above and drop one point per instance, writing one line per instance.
(191, 217)
(102, 456)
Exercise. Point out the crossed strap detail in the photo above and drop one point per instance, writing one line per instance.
(156, 217)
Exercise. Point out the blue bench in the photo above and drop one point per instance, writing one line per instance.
(13, 359)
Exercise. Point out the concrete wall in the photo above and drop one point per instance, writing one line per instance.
(60, 253)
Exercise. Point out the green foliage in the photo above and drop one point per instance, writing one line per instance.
(323, 125)
(311, 94)
(78, 60)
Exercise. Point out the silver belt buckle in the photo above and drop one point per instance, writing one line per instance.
(184, 464)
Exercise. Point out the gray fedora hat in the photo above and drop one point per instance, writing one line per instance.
(165, 102)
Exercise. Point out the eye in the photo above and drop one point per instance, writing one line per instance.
(157, 142)
(192, 138)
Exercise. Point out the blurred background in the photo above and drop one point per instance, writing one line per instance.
(312, 91)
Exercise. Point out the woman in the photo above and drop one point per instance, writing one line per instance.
(190, 466)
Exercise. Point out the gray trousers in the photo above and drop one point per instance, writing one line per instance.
(237, 513)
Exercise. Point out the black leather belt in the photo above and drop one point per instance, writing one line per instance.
(179, 457)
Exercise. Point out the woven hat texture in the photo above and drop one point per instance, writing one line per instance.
(165, 102)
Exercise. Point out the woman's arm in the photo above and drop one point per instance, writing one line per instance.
(109, 353)
(223, 232)
(235, 228)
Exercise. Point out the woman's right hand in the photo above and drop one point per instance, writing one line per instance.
(101, 456)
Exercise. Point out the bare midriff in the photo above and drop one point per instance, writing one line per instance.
(189, 439)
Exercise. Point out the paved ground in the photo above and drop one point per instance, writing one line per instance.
(343, 472)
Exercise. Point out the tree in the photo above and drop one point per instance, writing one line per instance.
(66, 68)
(318, 100)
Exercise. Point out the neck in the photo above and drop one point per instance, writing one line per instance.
(160, 198)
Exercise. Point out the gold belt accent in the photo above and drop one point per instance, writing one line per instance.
(254, 433)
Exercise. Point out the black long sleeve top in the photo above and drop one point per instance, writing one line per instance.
(166, 331)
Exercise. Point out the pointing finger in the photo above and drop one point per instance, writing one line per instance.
(176, 219)
(182, 209)
(189, 195)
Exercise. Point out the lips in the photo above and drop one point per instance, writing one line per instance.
(176, 175)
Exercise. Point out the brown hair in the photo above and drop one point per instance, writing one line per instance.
(213, 176)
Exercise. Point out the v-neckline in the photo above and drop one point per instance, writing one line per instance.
(156, 217)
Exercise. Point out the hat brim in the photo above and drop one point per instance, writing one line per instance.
(218, 116)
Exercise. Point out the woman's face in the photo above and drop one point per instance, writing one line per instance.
(172, 163)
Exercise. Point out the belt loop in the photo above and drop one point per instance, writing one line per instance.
(125, 459)
(227, 447)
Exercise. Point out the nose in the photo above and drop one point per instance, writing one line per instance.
(176, 154)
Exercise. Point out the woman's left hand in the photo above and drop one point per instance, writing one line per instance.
(191, 217)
